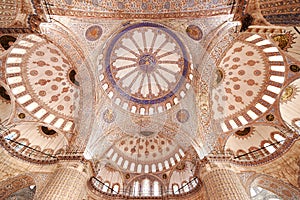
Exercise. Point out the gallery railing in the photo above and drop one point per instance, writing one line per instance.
(140, 192)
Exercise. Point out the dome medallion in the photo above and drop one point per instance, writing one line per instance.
(146, 69)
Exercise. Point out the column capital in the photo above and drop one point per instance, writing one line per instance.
(80, 164)
(220, 179)
(213, 162)
(68, 181)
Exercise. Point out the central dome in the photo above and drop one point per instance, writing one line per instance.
(146, 69)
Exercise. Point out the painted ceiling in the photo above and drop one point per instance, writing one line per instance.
(148, 95)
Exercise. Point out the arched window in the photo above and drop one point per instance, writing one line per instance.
(96, 183)
(175, 189)
(196, 180)
(132, 166)
(153, 168)
(105, 187)
(181, 152)
(279, 138)
(177, 157)
(136, 188)
(139, 168)
(145, 186)
(11, 136)
(167, 164)
(21, 145)
(156, 191)
(255, 191)
(116, 189)
(120, 160)
(193, 182)
(185, 186)
(160, 167)
(146, 168)
(125, 165)
(172, 161)
(146, 191)
(297, 123)
(109, 153)
(115, 156)
(269, 147)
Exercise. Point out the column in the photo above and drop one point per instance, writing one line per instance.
(220, 181)
(68, 182)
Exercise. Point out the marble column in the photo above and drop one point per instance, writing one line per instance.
(68, 182)
(220, 180)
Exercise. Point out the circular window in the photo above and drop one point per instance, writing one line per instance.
(294, 68)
